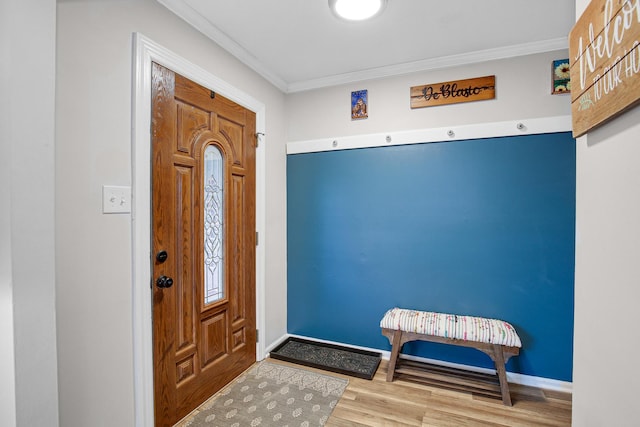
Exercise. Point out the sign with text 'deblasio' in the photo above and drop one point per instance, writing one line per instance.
(453, 92)
(604, 50)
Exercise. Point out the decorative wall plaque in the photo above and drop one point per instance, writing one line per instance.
(560, 76)
(453, 92)
(604, 49)
(359, 104)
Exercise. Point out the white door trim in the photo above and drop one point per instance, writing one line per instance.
(145, 51)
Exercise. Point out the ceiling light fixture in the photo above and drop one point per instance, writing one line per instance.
(357, 10)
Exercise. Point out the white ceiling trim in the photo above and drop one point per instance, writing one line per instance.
(433, 64)
(184, 11)
(196, 20)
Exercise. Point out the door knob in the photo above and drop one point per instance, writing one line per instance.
(162, 256)
(164, 282)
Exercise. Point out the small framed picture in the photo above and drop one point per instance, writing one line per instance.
(560, 76)
(359, 105)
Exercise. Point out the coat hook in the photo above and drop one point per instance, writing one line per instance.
(388, 138)
(335, 143)
(451, 133)
(520, 126)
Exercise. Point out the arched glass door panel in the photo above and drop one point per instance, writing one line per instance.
(213, 225)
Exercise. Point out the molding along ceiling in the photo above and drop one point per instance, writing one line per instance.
(300, 45)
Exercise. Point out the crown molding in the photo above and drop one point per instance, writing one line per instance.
(433, 64)
(193, 18)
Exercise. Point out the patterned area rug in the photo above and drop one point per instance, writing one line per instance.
(270, 394)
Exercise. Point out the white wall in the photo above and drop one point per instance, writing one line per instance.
(28, 361)
(93, 106)
(7, 367)
(523, 90)
(605, 382)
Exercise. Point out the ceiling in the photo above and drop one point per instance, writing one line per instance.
(300, 45)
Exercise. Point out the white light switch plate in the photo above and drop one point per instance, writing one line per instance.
(116, 199)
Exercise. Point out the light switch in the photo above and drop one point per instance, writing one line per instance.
(116, 199)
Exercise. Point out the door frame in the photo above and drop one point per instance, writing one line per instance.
(146, 51)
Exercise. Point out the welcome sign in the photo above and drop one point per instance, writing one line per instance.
(604, 49)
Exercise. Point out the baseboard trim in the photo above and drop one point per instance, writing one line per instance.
(528, 380)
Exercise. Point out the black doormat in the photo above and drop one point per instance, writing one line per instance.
(330, 357)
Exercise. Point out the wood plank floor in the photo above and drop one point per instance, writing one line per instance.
(377, 403)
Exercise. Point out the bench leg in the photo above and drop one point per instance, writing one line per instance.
(498, 358)
(395, 351)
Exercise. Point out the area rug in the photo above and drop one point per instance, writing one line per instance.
(330, 357)
(271, 394)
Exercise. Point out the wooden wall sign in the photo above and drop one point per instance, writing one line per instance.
(453, 92)
(604, 49)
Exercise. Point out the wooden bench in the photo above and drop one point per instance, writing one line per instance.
(496, 338)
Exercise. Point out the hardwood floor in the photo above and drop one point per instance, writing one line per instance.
(377, 403)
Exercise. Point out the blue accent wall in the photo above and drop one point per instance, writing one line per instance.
(481, 227)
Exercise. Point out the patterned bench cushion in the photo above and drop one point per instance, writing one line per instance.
(466, 328)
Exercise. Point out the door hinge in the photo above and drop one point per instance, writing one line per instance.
(257, 234)
(257, 335)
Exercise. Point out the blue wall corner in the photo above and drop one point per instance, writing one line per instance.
(480, 227)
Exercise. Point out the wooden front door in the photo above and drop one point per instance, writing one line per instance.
(203, 247)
